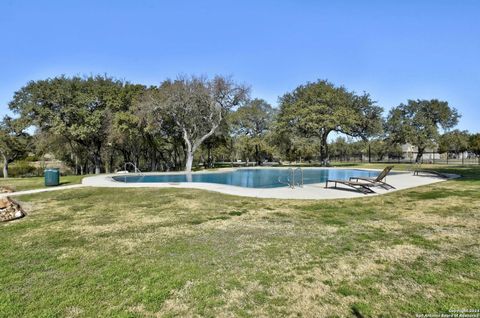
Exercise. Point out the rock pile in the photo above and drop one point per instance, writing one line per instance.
(10, 210)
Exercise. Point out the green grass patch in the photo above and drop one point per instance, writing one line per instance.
(22, 184)
(180, 252)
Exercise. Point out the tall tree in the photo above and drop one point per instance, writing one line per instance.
(383, 148)
(316, 109)
(418, 123)
(291, 146)
(253, 121)
(195, 105)
(126, 133)
(13, 141)
(77, 108)
(341, 148)
(455, 141)
(474, 144)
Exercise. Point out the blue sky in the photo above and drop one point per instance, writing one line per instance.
(394, 50)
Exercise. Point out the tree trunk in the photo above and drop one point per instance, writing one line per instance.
(323, 148)
(153, 164)
(419, 155)
(188, 152)
(210, 159)
(111, 163)
(5, 167)
(257, 155)
(369, 153)
(192, 146)
(76, 164)
(189, 161)
(98, 163)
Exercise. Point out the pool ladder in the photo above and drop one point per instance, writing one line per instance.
(292, 173)
(135, 169)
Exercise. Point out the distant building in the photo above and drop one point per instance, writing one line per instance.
(410, 151)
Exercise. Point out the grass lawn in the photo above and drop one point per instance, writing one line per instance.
(20, 184)
(177, 252)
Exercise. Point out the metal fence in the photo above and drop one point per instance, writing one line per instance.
(410, 157)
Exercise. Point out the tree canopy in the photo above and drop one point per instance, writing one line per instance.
(418, 123)
(98, 124)
(195, 105)
(78, 109)
(474, 143)
(14, 141)
(319, 108)
(454, 141)
(252, 121)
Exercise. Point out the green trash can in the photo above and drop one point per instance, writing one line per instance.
(52, 177)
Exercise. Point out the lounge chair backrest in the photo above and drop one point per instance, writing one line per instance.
(384, 173)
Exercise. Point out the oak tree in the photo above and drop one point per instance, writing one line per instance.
(14, 141)
(253, 121)
(314, 110)
(196, 105)
(418, 123)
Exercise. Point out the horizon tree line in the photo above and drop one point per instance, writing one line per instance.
(97, 123)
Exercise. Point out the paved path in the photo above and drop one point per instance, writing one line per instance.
(2, 195)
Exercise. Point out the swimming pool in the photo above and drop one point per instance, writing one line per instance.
(250, 178)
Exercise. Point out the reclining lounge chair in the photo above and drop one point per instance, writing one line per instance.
(439, 174)
(378, 180)
(359, 186)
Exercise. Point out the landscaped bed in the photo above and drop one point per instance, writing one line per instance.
(166, 252)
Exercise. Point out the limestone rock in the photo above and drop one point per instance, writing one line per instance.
(6, 189)
(10, 210)
(4, 202)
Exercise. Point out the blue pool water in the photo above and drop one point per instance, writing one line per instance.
(251, 178)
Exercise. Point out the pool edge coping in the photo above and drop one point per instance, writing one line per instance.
(401, 180)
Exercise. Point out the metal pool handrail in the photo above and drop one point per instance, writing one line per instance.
(300, 184)
(136, 170)
(291, 178)
(286, 183)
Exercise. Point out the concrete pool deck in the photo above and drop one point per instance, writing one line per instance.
(400, 180)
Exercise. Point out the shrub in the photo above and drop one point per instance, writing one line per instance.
(22, 169)
(31, 158)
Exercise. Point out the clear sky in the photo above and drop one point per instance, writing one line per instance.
(394, 50)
